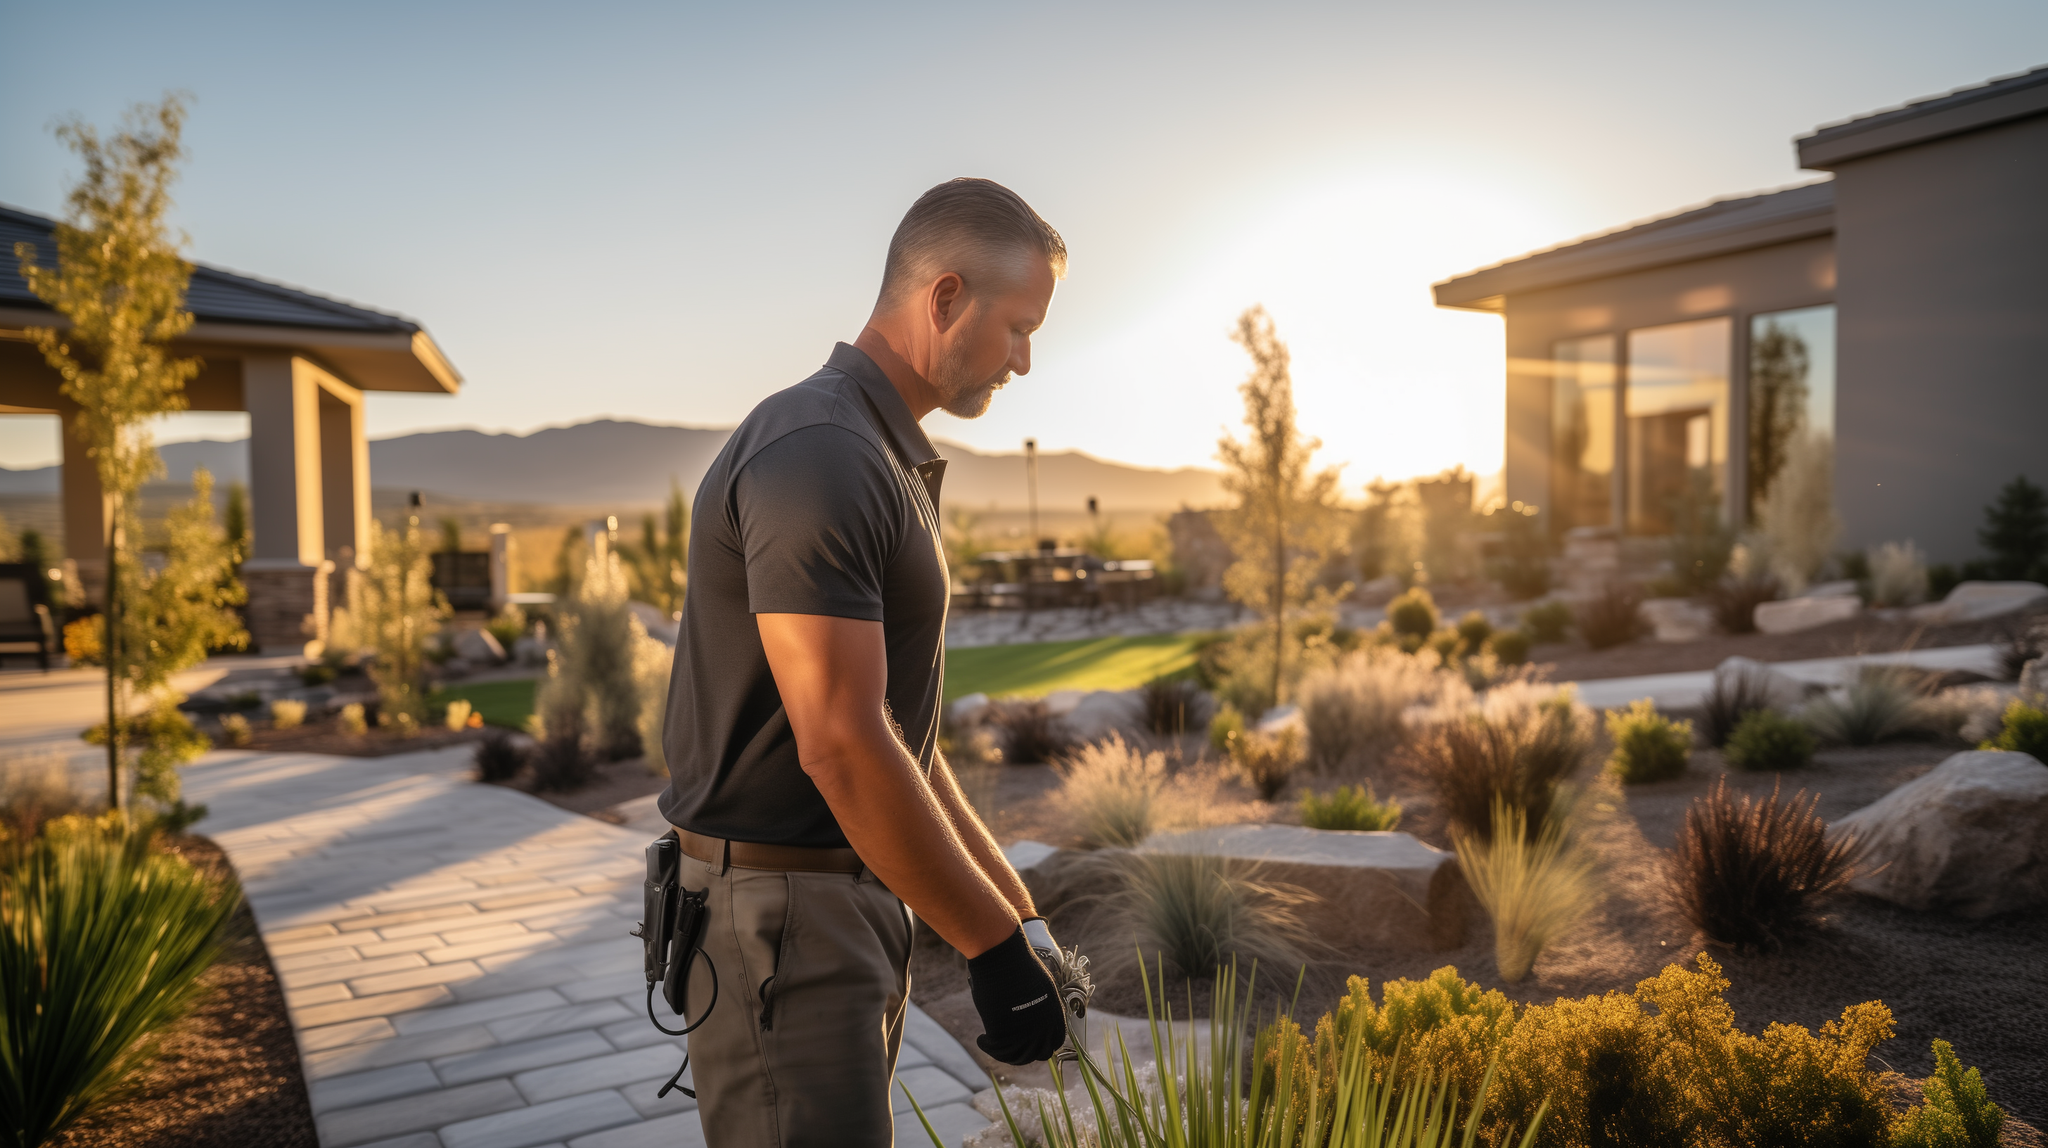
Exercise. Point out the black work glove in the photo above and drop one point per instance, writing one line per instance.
(1021, 1016)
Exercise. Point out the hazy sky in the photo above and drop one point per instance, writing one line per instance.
(666, 212)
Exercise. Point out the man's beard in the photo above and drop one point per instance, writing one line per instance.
(959, 394)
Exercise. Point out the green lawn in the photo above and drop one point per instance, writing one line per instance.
(1087, 664)
(505, 703)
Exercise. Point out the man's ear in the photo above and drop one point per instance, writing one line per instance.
(948, 299)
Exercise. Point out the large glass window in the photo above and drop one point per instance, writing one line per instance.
(1582, 433)
(1676, 403)
(1791, 393)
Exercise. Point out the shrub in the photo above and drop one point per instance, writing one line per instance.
(1354, 707)
(1510, 646)
(1030, 732)
(1445, 644)
(1647, 745)
(287, 714)
(653, 662)
(82, 641)
(1351, 807)
(396, 612)
(1268, 760)
(1732, 697)
(102, 942)
(353, 721)
(508, 626)
(1768, 741)
(1413, 612)
(562, 763)
(2015, 532)
(499, 756)
(1114, 794)
(457, 717)
(1898, 574)
(1225, 728)
(34, 790)
(1172, 705)
(1881, 702)
(1518, 755)
(591, 686)
(1735, 600)
(2025, 731)
(1200, 912)
(1752, 874)
(1956, 1111)
(1475, 629)
(1609, 617)
(1547, 621)
(235, 728)
(1532, 884)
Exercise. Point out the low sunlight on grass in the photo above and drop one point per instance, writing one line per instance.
(1086, 664)
(503, 703)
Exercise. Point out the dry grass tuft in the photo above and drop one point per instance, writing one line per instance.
(1354, 708)
(1518, 747)
(1882, 702)
(1116, 795)
(1534, 886)
(1199, 912)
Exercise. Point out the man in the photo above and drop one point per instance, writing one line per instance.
(805, 784)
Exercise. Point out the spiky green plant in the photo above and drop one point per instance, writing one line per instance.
(1201, 911)
(1534, 885)
(1353, 807)
(1881, 703)
(1957, 1112)
(102, 942)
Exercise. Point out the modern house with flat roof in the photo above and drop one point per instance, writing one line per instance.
(300, 365)
(1897, 311)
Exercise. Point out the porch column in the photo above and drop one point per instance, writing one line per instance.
(85, 512)
(284, 572)
(344, 474)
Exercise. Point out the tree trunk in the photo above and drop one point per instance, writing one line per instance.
(110, 651)
(1279, 585)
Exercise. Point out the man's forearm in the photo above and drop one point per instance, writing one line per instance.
(980, 843)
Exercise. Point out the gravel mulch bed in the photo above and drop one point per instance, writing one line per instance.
(227, 1074)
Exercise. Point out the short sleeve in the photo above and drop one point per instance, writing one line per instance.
(818, 516)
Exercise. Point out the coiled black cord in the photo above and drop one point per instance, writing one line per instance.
(687, 1029)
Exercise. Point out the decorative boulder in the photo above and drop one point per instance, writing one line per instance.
(1103, 712)
(1677, 619)
(1027, 854)
(1792, 614)
(1969, 838)
(969, 709)
(1975, 601)
(1280, 718)
(477, 647)
(1784, 691)
(1842, 589)
(1380, 889)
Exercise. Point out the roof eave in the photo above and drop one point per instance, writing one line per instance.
(1936, 119)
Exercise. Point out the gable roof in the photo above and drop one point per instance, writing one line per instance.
(1721, 227)
(1965, 109)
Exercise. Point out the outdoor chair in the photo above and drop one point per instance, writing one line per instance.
(24, 615)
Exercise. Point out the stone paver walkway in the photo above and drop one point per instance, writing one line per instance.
(456, 961)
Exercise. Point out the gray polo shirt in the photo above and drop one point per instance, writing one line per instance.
(824, 501)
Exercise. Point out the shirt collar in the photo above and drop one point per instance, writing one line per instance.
(909, 439)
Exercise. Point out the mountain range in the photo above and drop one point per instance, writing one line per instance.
(629, 463)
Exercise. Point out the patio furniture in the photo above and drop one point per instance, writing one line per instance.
(24, 612)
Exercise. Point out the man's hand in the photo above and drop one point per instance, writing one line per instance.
(1022, 1017)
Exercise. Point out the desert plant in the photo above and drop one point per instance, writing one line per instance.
(102, 942)
(1732, 697)
(1172, 705)
(591, 686)
(1880, 702)
(1511, 647)
(396, 612)
(2024, 730)
(1547, 621)
(1268, 760)
(2015, 532)
(235, 728)
(1475, 629)
(1114, 794)
(1445, 644)
(562, 762)
(1898, 574)
(458, 714)
(1199, 912)
(1225, 728)
(499, 756)
(287, 714)
(653, 662)
(1030, 732)
(1753, 874)
(1413, 612)
(1610, 617)
(1518, 754)
(1354, 707)
(353, 721)
(1956, 1112)
(1736, 597)
(1532, 883)
(1647, 745)
(1768, 741)
(1352, 807)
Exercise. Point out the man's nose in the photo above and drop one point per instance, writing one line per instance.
(1020, 359)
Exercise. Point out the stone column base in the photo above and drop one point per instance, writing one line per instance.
(287, 604)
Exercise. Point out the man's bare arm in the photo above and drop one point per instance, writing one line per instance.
(981, 844)
(833, 675)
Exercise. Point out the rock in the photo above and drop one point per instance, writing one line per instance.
(1785, 692)
(1843, 589)
(532, 651)
(477, 647)
(1060, 703)
(1024, 855)
(1103, 712)
(1677, 619)
(1382, 889)
(1970, 838)
(1804, 613)
(969, 709)
(1975, 601)
(1279, 718)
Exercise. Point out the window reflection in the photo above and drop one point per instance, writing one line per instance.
(1791, 392)
(1676, 402)
(1582, 433)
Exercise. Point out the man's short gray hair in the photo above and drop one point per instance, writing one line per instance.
(966, 226)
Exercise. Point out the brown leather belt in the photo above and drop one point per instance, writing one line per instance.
(755, 855)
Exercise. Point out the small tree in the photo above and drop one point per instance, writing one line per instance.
(395, 612)
(1285, 523)
(590, 703)
(121, 285)
(659, 567)
(1778, 363)
(2015, 531)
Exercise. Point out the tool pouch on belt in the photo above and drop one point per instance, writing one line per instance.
(671, 936)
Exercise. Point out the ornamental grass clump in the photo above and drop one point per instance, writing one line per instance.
(1268, 760)
(102, 941)
(1199, 913)
(1030, 732)
(1352, 807)
(1647, 745)
(1610, 617)
(1519, 748)
(1767, 741)
(1115, 794)
(1173, 706)
(1353, 709)
(499, 756)
(1880, 703)
(1753, 874)
(1733, 696)
(1533, 883)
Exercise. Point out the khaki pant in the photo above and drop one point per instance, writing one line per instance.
(813, 979)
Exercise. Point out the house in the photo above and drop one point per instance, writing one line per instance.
(1894, 313)
(300, 364)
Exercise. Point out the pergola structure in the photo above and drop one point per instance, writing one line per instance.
(300, 365)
